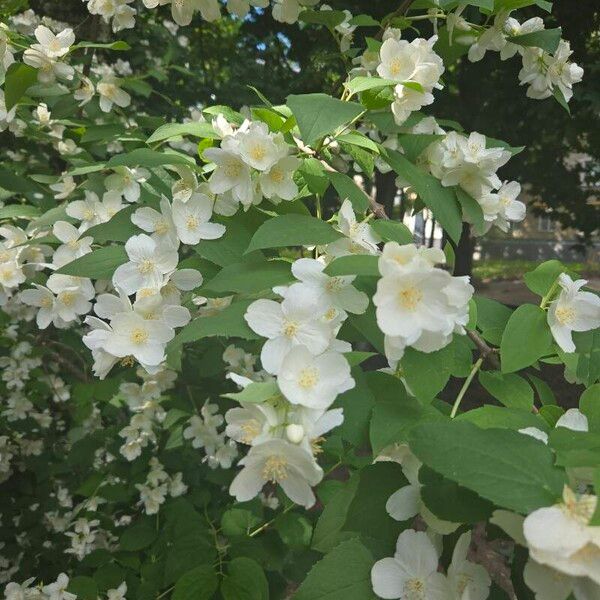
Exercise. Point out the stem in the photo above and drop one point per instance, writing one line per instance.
(268, 523)
(465, 386)
(549, 295)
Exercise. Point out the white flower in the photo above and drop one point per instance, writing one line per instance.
(231, 174)
(54, 46)
(111, 93)
(512, 27)
(295, 321)
(85, 92)
(118, 593)
(468, 580)
(160, 224)
(278, 181)
(360, 237)
(42, 298)
(132, 335)
(335, 291)
(73, 295)
(412, 572)
(126, 181)
(192, 218)
(419, 305)
(560, 536)
(257, 147)
(277, 461)
(311, 381)
(502, 207)
(252, 424)
(148, 263)
(88, 211)
(58, 589)
(549, 584)
(63, 187)
(573, 310)
(73, 245)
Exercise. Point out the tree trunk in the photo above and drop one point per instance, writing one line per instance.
(386, 191)
(464, 252)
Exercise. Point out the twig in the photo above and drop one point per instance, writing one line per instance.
(485, 351)
(465, 386)
(484, 553)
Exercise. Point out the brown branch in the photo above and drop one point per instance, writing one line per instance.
(486, 554)
(486, 352)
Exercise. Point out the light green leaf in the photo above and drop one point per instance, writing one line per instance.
(540, 280)
(427, 373)
(392, 231)
(347, 188)
(19, 77)
(508, 468)
(98, 264)
(441, 200)
(292, 230)
(526, 338)
(343, 574)
(546, 39)
(356, 264)
(510, 389)
(255, 393)
(118, 229)
(489, 416)
(360, 84)
(145, 157)
(118, 45)
(320, 114)
(358, 139)
(171, 130)
(19, 211)
(250, 277)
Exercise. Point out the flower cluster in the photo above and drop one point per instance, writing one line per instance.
(415, 66)
(251, 164)
(158, 485)
(418, 304)
(309, 371)
(471, 164)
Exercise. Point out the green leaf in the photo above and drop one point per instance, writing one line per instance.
(343, 574)
(18, 78)
(489, 416)
(98, 264)
(589, 404)
(392, 231)
(292, 230)
(198, 584)
(575, 448)
(16, 183)
(315, 176)
(367, 514)
(245, 580)
(294, 530)
(358, 139)
(171, 130)
(118, 45)
(333, 517)
(395, 412)
(510, 389)
(250, 277)
(238, 522)
(149, 158)
(137, 537)
(543, 390)
(330, 18)
(228, 322)
(360, 84)
(414, 144)
(83, 587)
(508, 468)
(450, 502)
(320, 114)
(441, 200)
(546, 39)
(471, 209)
(255, 393)
(427, 373)
(356, 264)
(364, 21)
(347, 188)
(492, 317)
(19, 211)
(541, 279)
(526, 338)
(118, 229)
(560, 98)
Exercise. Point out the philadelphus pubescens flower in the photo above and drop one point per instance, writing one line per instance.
(560, 536)
(118, 12)
(467, 162)
(45, 55)
(110, 93)
(418, 304)
(573, 310)
(252, 163)
(359, 238)
(410, 62)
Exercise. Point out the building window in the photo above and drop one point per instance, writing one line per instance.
(546, 223)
